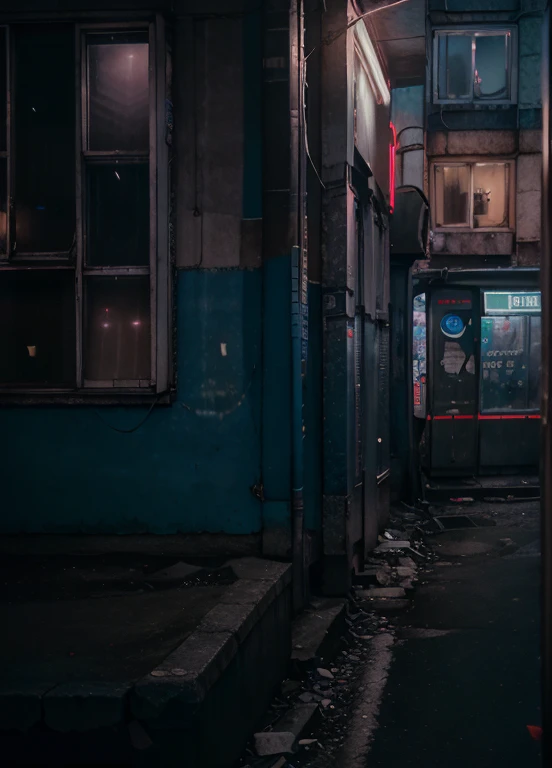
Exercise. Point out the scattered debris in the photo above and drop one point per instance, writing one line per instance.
(325, 673)
(285, 733)
(385, 592)
(390, 546)
(289, 686)
(406, 572)
(330, 682)
(383, 576)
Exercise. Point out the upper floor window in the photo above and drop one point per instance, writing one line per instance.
(474, 66)
(83, 248)
(473, 195)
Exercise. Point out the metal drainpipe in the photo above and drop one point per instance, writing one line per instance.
(297, 500)
(546, 405)
(296, 229)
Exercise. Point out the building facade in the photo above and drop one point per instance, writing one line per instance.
(194, 274)
(472, 141)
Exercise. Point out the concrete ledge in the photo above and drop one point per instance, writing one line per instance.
(227, 696)
(180, 545)
(199, 705)
(317, 630)
(85, 706)
(21, 705)
(186, 675)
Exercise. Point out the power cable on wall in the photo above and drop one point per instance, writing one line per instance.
(333, 36)
(140, 423)
(198, 197)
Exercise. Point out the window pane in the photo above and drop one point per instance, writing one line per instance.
(452, 186)
(117, 329)
(534, 362)
(118, 215)
(455, 77)
(118, 98)
(3, 88)
(37, 309)
(45, 138)
(490, 195)
(504, 363)
(3, 205)
(490, 80)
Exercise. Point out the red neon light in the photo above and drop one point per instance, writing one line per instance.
(392, 152)
(503, 417)
(483, 417)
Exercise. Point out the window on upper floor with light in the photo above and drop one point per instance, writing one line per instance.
(472, 195)
(475, 66)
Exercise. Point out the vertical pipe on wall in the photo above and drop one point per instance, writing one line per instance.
(296, 229)
(546, 429)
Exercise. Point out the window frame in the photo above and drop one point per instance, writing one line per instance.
(475, 30)
(158, 386)
(471, 162)
(527, 332)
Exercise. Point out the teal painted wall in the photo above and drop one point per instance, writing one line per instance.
(277, 388)
(181, 471)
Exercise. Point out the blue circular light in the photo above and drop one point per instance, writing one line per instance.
(452, 326)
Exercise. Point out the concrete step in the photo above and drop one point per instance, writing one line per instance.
(197, 707)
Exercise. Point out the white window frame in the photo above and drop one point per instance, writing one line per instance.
(158, 383)
(471, 162)
(478, 31)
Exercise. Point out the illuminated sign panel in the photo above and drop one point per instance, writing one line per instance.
(506, 303)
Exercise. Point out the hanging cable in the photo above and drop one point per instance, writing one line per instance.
(333, 36)
(140, 423)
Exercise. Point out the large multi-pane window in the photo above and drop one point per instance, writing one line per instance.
(81, 206)
(474, 66)
(473, 195)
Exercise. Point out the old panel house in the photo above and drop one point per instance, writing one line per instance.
(193, 270)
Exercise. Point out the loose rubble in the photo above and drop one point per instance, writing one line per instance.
(331, 686)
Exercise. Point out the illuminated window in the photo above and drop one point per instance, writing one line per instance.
(473, 195)
(84, 241)
(474, 66)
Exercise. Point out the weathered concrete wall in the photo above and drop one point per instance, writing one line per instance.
(371, 109)
(475, 143)
(407, 114)
(190, 466)
(528, 198)
(523, 146)
(355, 265)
